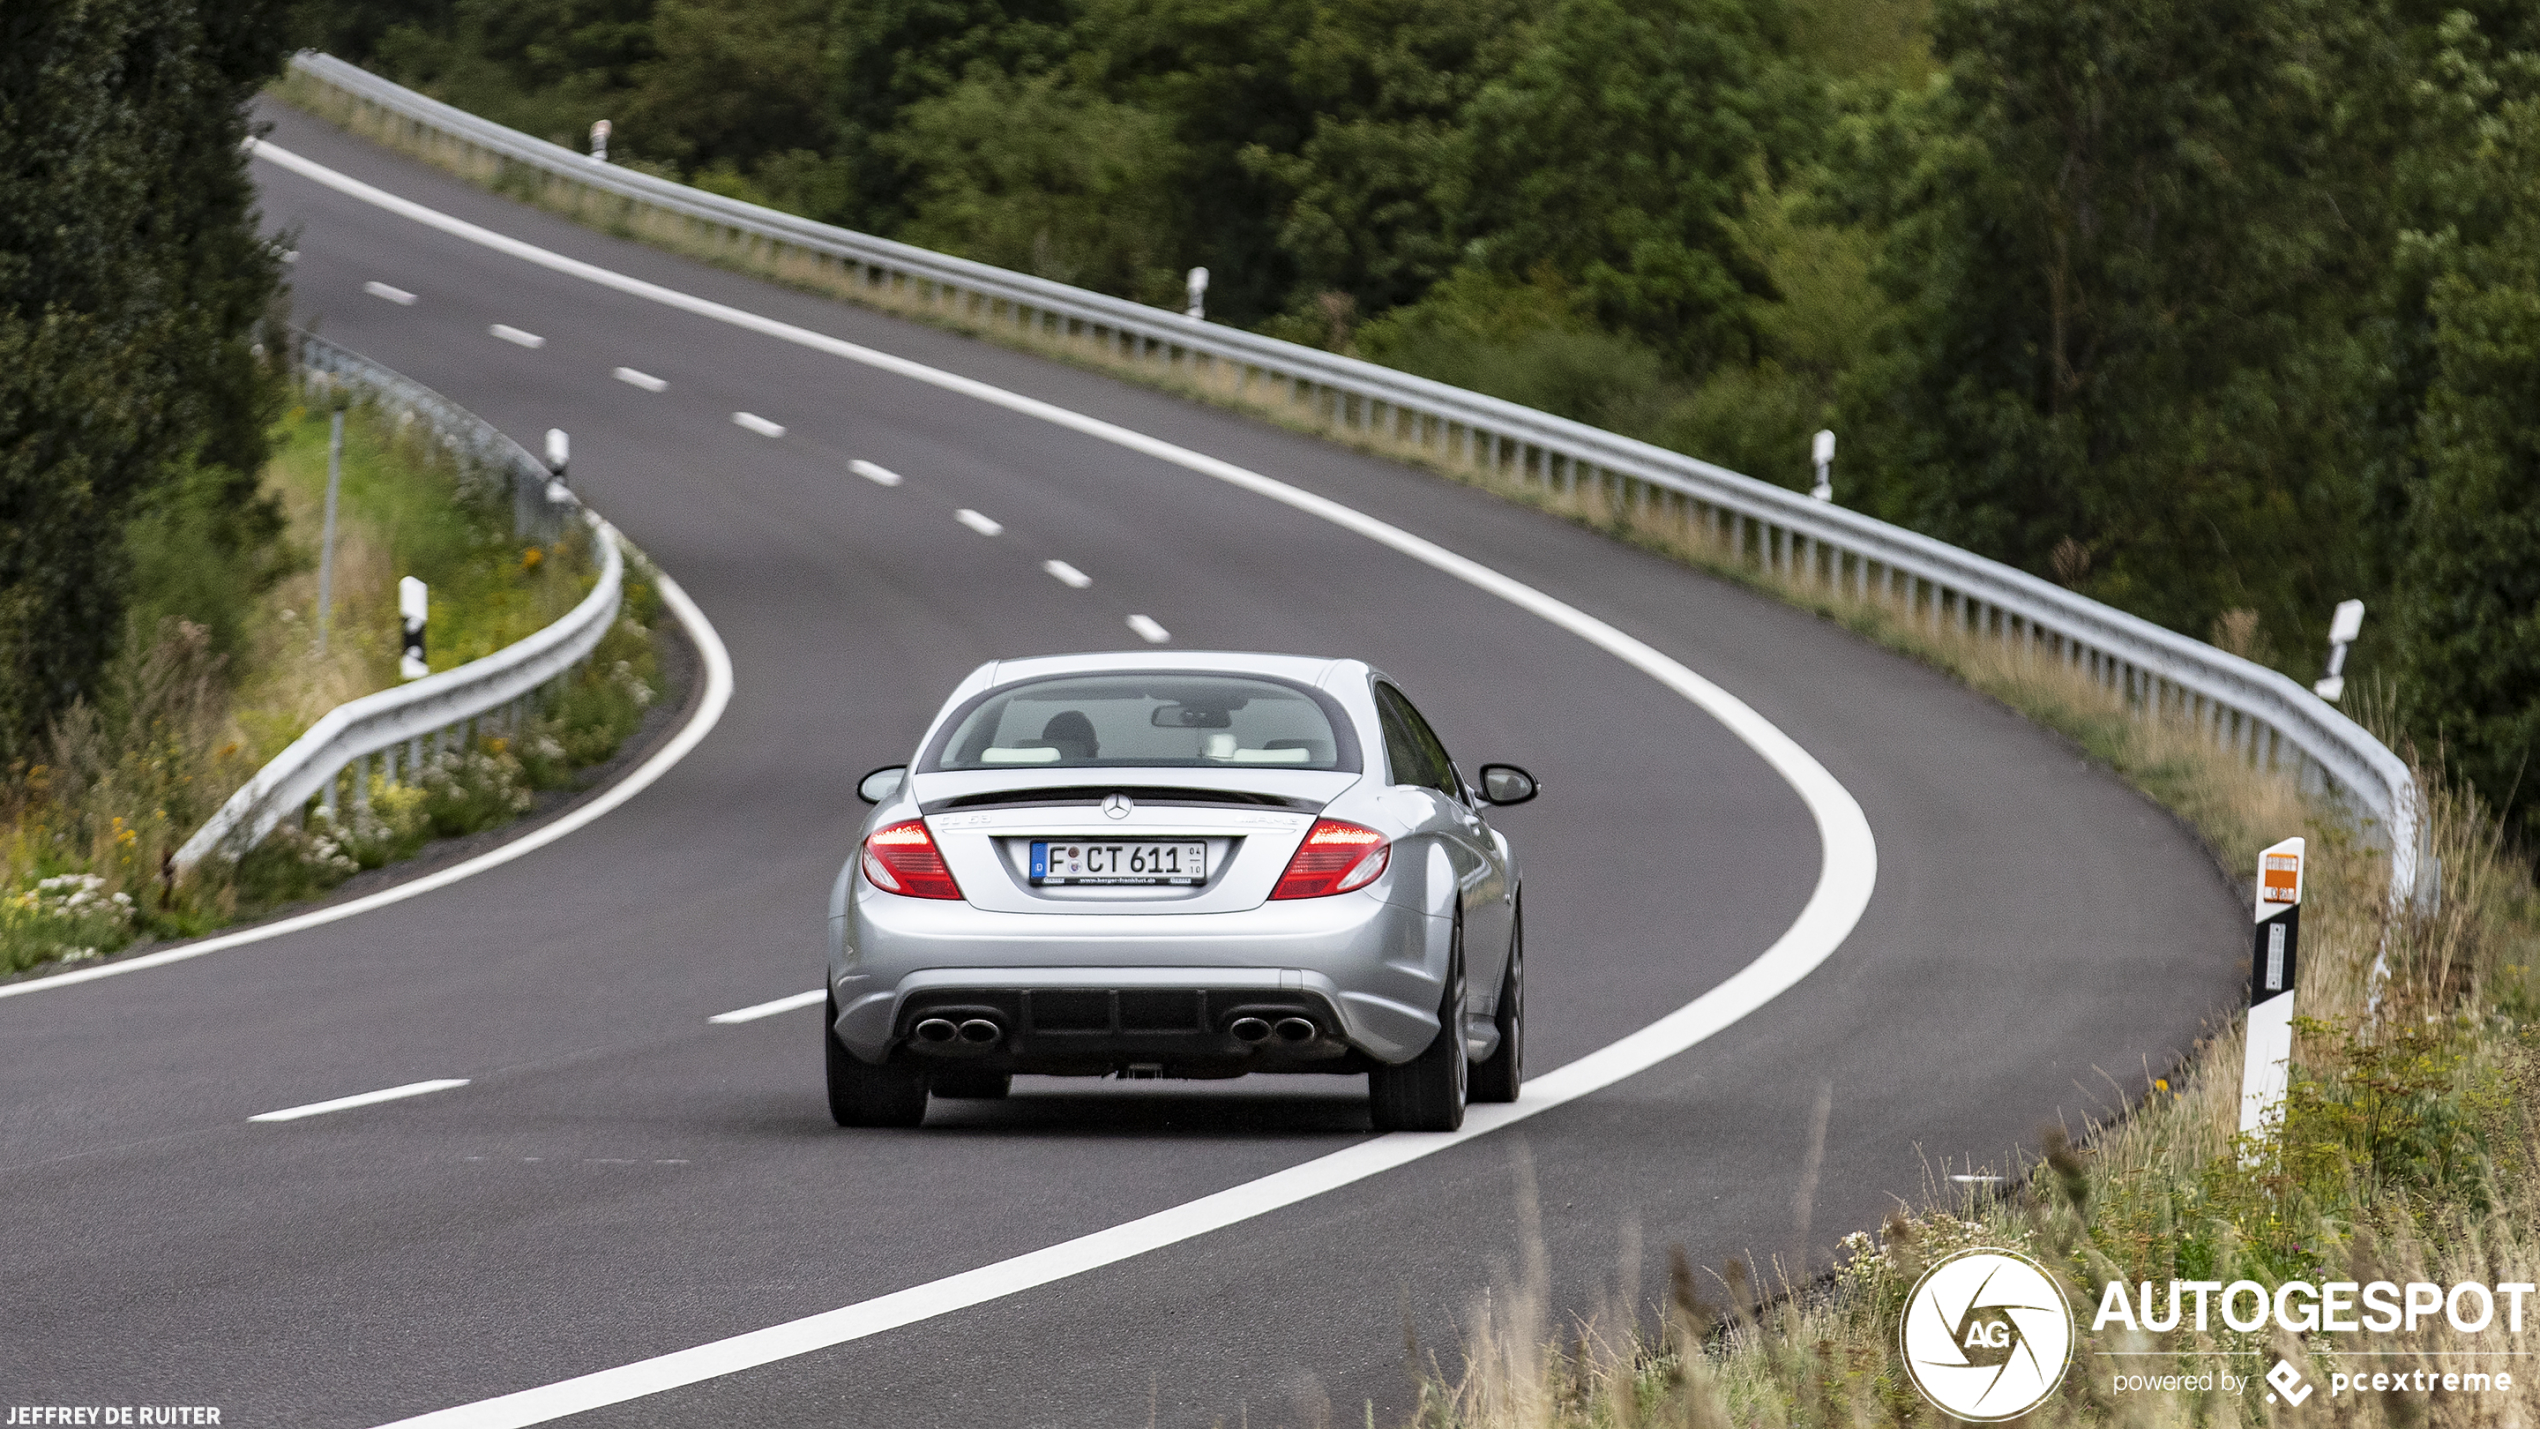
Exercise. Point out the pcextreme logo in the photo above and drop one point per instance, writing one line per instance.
(1987, 1335)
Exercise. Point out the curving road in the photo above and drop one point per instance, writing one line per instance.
(620, 1178)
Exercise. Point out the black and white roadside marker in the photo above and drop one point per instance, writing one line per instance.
(2278, 912)
(413, 604)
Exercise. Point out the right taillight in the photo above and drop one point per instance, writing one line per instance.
(1334, 858)
(903, 859)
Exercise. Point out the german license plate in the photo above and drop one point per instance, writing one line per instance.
(1170, 861)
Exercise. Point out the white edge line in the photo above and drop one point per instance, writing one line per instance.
(756, 1011)
(718, 693)
(388, 1094)
(1845, 877)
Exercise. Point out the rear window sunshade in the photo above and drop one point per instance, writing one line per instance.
(1096, 793)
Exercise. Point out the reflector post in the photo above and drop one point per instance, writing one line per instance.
(2273, 963)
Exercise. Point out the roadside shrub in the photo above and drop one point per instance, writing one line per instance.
(70, 916)
(470, 791)
(455, 791)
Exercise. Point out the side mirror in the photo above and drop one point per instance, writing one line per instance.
(882, 783)
(1507, 784)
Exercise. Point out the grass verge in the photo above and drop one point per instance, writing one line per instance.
(221, 669)
(2410, 1147)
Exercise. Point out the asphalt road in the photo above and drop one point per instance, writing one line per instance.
(622, 1179)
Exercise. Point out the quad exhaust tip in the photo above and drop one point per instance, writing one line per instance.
(937, 1030)
(1250, 1029)
(1297, 1029)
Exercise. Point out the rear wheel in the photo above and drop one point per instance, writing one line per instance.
(1498, 1079)
(1427, 1092)
(862, 1095)
(970, 1084)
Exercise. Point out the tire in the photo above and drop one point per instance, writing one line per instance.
(966, 1084)
(862, 1095)
(1427, 1092)
(1498, 1079)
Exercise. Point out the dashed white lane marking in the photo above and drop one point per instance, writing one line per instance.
(389, 1094)
(878, 475)
(984, 525)
(756, 423)
(769, 1009)
(1068, 575)
(645, 380)
(1847, 873)
(517, 337)
(1148, 630)
(399, 296)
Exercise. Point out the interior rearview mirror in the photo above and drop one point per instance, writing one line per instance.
(1507, 784)
(882, 783)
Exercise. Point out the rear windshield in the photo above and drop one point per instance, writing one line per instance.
(1160, 720)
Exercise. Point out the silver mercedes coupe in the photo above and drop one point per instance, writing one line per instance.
(1178, 864)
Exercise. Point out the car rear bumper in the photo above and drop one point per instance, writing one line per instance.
(1091, 992)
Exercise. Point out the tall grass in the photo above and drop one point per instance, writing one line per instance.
(2410, 1145)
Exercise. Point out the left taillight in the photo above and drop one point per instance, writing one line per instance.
(903, 859)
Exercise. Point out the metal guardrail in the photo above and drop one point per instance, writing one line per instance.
(540, 504)
(2271, 719)
(403, 726)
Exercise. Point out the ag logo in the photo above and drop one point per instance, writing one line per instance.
(1987, 1335)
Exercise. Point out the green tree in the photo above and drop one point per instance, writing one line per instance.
(1615, 154)
(1044, 177)
(2468, 632)
(2135, 251)
(1221, 75)
(131, 281)
(887, 56)
(546, 66)
(1371, 197)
